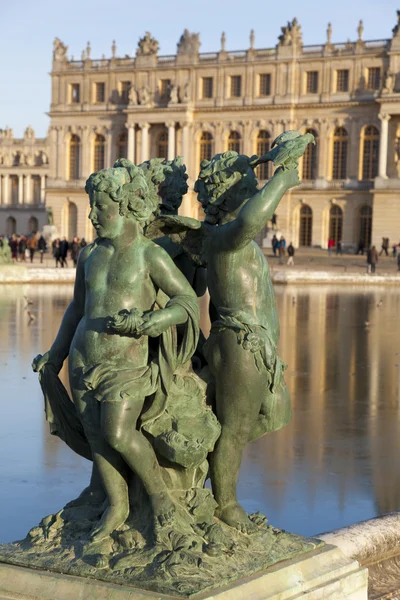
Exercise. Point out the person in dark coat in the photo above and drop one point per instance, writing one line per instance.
(22, 247)
(13, 243)
(361, 246)
(74, 250)
(64, 247)
(57, 252)
(274, 243)
(83, 243)
(42, 247)
(290, 251)
(372, 259)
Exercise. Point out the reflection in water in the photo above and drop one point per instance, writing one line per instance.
(335, 464)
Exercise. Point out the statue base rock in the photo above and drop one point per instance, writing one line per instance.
(322, 573)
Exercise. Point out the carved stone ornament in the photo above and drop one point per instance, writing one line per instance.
(144, 96)
(189, 43)
(59, 50)
(147, 46)
(29, 133)
(291, 34)
(396, 28)
(133, 96)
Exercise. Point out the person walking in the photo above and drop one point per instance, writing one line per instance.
(281, 249)
(13, 243)
(74, 250)
(339, 248)
(360, 249)
(83, 243)
(331, 243)
(372, 259)
(274, 243)
(384, 246)
(64, 247)
(290, 252)
(42, 247)
(394, 250)
(32, 244)
(57, 252)
(21, 248)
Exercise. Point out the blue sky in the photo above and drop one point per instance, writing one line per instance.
(29, 28)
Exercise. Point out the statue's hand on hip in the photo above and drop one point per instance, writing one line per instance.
(156, 323)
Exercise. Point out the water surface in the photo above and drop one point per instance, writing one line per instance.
(335, 464)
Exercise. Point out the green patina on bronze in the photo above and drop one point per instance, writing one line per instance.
(155, 406)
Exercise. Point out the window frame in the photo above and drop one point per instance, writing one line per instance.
(237, 79)
(210, 79)
(97, 87)
(337, 87)
(268, 77)
(308, 81)
(74, 87)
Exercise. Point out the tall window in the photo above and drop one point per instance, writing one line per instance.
(124, 87)
(264, 84)
(99, 92)
(122, 145)
(33, 225)
(374, 78)
(207, 87)
(74, 157)
(312, 82)
(305, 237)
(162, 145)
(236, 86)
(370, 153)
(11, 226)
(165, 86)
(14, 189)
(206, 146)
(340, 143)
(342, 80)
(36, 189)
(234, 141)
(75, 93)
(99, 152)
(310, 159)
(366, 225)
(263, 146)
(336, 223)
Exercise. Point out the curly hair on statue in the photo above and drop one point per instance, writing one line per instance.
(216, 181)
(168, 180)
(126, 184)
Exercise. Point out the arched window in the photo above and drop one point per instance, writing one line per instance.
(162, 145)
(122, 145)
(366, 225)
(263, 146)
(99, 152)
(16, 159)
(305, 237)
(336, 223)
(33, 225)
(234, 141)
(309, 170)
(206, 146)
(11, 226)
(340, 143)
(370, 153)
(74, 157)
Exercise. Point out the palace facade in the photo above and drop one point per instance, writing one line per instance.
(197, 104)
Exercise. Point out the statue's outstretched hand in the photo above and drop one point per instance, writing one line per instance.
(155, 324)
(290, 176)
(46, 359)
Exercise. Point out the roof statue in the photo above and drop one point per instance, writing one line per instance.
(59, 50)
(189, 43)
(29, 133)
(147, 45)
(291, 34)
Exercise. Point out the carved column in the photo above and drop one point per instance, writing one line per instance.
(20, 189)
(110, 144)
(145, 141)
(171, 139)
(86, 153)
(42, 188)
(383, 145)
(6, 199)
(59, 152)
(185, 142)
(28, 189)
(131, 142)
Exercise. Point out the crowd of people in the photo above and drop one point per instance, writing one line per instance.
(25, 247)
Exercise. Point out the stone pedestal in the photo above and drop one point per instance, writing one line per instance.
(324, 573)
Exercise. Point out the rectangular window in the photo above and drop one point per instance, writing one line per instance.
(165, 86)
(312, 82)
(264, 84)
(75, 93)
(374, 78)
(342, 80)
(236, 86)
(207, 87)
(124, 87)
(99, 92)
(36, 189)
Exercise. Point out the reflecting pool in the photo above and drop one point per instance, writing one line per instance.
(335, 464)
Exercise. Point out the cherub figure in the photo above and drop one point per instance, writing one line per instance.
(105, 333)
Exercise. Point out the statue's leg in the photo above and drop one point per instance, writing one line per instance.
(119, 426)
(109, 464)
(239, 389)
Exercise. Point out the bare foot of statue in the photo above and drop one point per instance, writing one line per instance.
(88, 496)
(235, 516)
(113, 517)
(163, 508)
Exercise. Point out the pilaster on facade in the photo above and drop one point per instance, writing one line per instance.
(383, 146)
